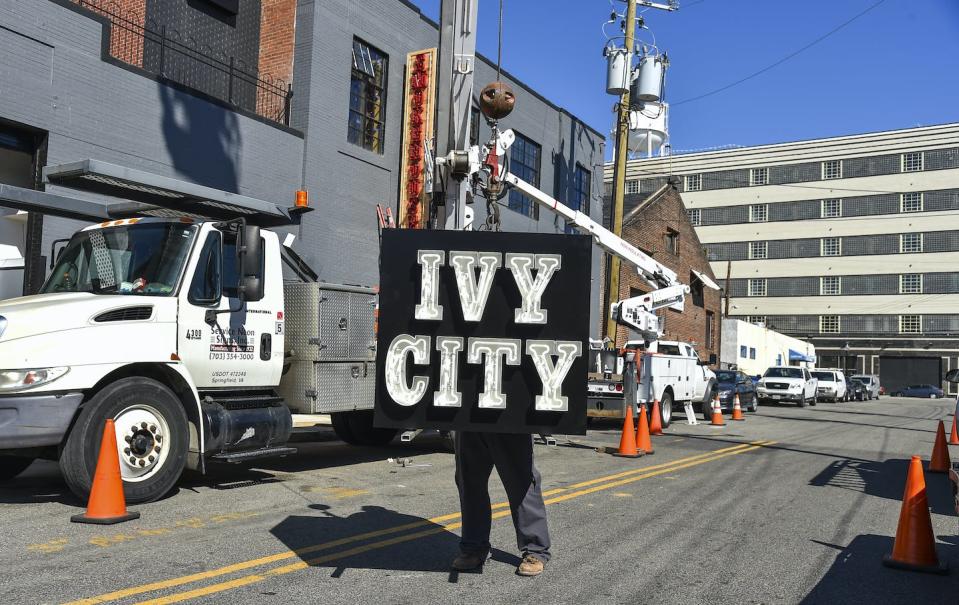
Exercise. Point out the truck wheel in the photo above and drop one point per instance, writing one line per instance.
(815, 400)
(803, 402)
(707, 410)
(666, 409)
(754, 405)
(361, 425)
(11, 466)
(152, 438)
(341, 426)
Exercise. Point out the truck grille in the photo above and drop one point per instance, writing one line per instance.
(777, 385)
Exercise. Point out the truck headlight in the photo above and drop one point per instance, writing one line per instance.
(795, 387)
(16, 380)
(3, 325)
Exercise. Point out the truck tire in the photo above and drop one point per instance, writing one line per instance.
(341, 426)
(666, 409)
(803, 402)
(361, 425)
(754, 404)
(151, 427)
(11, 466)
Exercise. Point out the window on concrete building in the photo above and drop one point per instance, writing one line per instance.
(758, 250)
(710, 328)
(829, 324)
(830, 285)
(912, 161)
(757, 286)
(608, 188)
(695, 217)
(832, 169)
(830, 246)
(367, 123)
(910, 283)
(756, 319)
(752, 353)
(831, 209)
(672, 241)
(743, 351)
(524, 160)
(758, 213)
(910, 324)
(910, 243)
(582, 185)
(696, 290)
(694, 182)
(632, 186)
(758, 176)
(911, 202)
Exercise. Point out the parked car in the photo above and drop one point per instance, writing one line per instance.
(928, 391)
(871, 383)
(832, 384)
(855, 390)
(731, 382)
(788, 383)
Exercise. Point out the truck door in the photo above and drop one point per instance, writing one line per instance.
(225, 342)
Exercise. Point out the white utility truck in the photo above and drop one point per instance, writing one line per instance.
(184, 330)
(670, 372)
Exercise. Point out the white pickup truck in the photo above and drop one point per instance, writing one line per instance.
(668, 371)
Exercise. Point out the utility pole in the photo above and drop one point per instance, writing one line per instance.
(729, 269)
(620, 157)
(619, 173)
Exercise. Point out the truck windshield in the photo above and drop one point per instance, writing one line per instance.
(726, 376)
(783, 373)
(827, 376)
(141, 258)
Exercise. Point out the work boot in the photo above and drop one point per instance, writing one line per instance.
(468, 561)
(531, 566)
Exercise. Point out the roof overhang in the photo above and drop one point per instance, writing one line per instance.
(157, 195)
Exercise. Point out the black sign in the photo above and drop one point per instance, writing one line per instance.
(483, 331)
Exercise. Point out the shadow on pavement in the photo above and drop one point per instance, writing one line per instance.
(858, 576)
(374, 538)
(831, 421)
(885, 479)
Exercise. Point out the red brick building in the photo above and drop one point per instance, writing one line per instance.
(658, 225)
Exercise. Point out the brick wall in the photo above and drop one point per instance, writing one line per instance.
(128, 18)
(277, 29)
(647, 230)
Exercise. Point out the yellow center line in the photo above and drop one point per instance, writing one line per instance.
(301, 565)
(289, 554)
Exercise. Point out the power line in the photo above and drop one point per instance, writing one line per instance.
(780, 61)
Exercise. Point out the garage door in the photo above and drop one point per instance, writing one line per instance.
(898, 372)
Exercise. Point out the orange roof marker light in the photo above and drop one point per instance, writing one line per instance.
(302, 201)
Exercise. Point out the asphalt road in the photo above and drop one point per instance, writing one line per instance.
(791, 506)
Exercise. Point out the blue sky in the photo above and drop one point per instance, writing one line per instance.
(896, 66)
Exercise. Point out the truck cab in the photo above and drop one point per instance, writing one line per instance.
(172, 327)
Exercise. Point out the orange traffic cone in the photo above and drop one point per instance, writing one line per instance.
(627, 443)
(940, 453)
(737, 409)
(915, 546)
(717, 419)
(954, 437)
(107, 504)
(643, 442)
(656, 422)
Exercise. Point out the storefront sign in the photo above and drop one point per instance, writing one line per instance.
(417, 131)
(483, 331)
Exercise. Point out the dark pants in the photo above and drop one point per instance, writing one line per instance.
(512, 455)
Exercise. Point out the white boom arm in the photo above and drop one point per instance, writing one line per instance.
(639, 312)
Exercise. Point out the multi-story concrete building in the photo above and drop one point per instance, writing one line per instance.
(258, 97)
(849, 242)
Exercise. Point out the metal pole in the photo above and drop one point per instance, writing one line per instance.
(729, 268)
(619, 173)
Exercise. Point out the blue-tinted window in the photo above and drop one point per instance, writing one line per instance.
(582, 183)
(366, 126)
(752, 353)
(524, 160)
(742, 351)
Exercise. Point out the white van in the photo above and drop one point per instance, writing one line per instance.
(832, 384)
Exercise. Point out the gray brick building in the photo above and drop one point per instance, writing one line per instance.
(253, 98)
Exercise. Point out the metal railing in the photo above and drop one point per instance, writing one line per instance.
(169, 54)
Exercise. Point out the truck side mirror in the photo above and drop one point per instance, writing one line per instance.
(251, 262)
(952, 375)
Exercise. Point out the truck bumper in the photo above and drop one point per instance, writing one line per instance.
(36, 420)
(605, 407)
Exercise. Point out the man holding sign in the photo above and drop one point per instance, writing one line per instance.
(489, 343)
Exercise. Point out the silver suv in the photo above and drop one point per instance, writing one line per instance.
(871, 382)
